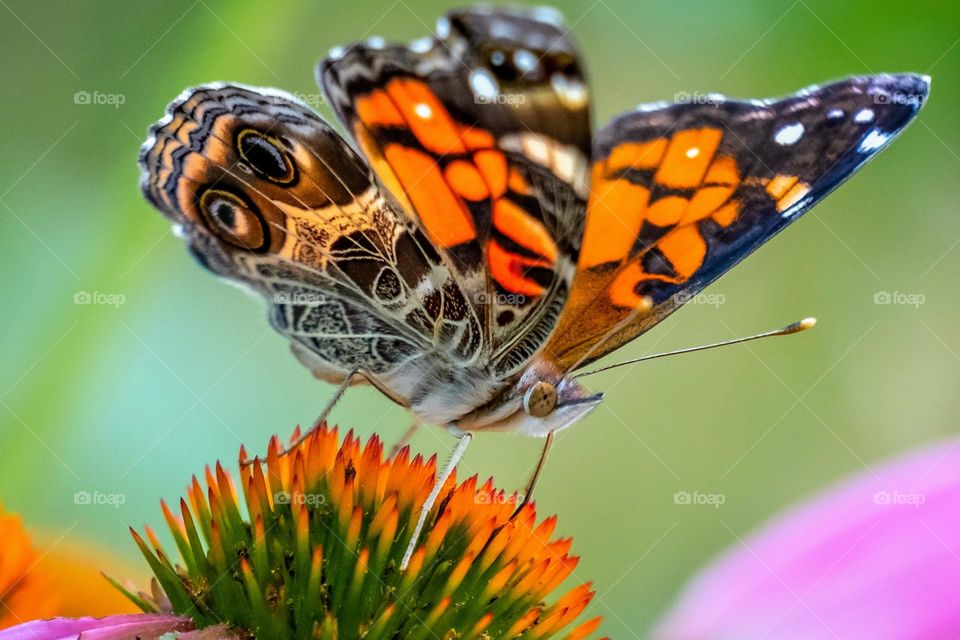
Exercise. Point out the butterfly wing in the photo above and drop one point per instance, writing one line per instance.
(267, 195)
(482, 134)
(680, 193)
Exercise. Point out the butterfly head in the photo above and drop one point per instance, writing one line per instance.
(550, 404)
(541, 401)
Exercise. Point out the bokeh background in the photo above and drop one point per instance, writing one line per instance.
(172, 370)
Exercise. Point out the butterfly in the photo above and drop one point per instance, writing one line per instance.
(480, 244)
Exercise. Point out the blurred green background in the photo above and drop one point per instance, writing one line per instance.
(132, 399)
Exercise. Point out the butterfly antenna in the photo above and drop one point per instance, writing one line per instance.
(790, 329)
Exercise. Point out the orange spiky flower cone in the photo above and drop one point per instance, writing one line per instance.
(311, 545)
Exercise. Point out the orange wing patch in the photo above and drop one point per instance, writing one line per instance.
(510, 270)
(426, 116)
(493, 167)
(614, 219)
(637, 155)
(464, 177)
(434, 193)
(623, 289)
(619, 207)
(725, 215)
(685, 248)
(786, 190)
(688, 157)
(666, 212)
(376, 109)
(443, 214)
(455, 165)
(513, 222)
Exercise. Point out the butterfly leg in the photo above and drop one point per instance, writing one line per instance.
(528, 494)
(463, 439)
(405, 438)
(337, 394)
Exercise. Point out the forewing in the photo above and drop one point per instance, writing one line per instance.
(680, 193)
(482, 133)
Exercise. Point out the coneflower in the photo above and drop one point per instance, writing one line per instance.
(311, 546)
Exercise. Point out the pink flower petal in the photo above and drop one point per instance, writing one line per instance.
(875, 557)
(142, 626)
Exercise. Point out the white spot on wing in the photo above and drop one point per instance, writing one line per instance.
(423, 110)
(693, 152)
(421, 45)
(501, 30)
(798, 207)
(563, 165)
(537, 149)
(443, 27)
(864, 115)
(571, 91)
(788, 134)
(548, 15)
(524, 60)
(874, 140)
(484, 84)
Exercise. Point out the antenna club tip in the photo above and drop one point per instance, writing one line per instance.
(797, 327)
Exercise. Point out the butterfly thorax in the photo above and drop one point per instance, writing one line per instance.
(440, 394)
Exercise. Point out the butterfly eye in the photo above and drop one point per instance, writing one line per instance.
(234, 221)
(266, 156)
(540, 400)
